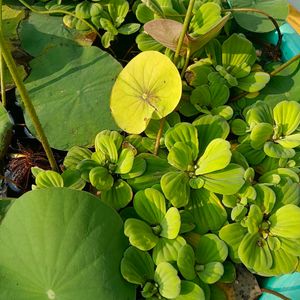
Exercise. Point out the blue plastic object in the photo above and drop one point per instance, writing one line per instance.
(287, 285)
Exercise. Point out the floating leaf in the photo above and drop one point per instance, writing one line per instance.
(145, 99)
(71, 231)
(180, 156)
(137, 266)
(216, 157)
(175, 186)
(278, 151)
(101, 179)
(150, 205)
(48, 179)
(138, 168)
(229, 275)
(254, 82)
(105, 144)
(72, 179)
(190, 291)
(186, 262)
(170, 224)
(125, 161)
(119, 195)
(210, 249)
(260, 134)
(251, 21)
(211, 272)
(140, 234)
(75, 155)
(59, 93)
(285, 222)
(167, 279)
(207, 210)
(167, 250)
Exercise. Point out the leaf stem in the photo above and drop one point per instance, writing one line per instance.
(59, 11)
(254, 10)
(186, 63)
(285, 65)
(264, 290)
(176, 56)
(25, 99)
(2, 65)
(186, 23)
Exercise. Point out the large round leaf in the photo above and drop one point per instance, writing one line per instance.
(149, 86)
(70, 89)
(56, 244)
(278, 9)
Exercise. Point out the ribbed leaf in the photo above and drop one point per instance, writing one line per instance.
(75, 155)
(48, 179)
(101, 179)
(180, 156)
(260, 134)
(125, 161)
(212, 272)
(190, 291)
(254, 82)
(170, 224)
(186, 262)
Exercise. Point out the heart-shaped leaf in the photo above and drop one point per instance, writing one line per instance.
(207, 210)
(150, 205)
(186, 262)
(71, 231)
(140, 234)
(168, 281)
(137, 266)
(167, 250)
(148, 98)
(216, 157)
(119, 195)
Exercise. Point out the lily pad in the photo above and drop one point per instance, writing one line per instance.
(56, 244)
(73, 94)
(148, 87)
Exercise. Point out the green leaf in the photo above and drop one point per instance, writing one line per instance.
(226, 182)
(185, 133)
(290, 141)
(238, 127)
(211, 273)
(204, 19)
(207, 210)
(278, 151)
(175, 186)
(129, 28)
(48, 179)
(254, 253)
(253, 82)
(260, 134)
(106, 145)
(167, 250)
(154, 6)
(210, 249)
(85, 166)
(278, 9)
(143, 13)
(170, 224)
(114, 136)
(285, 222)
(75, 155)
(190, 291)
(137, 266)
(209, 128)
(61, 89)
(125, 161)
(254, 219)
(140, 234)
(287, 116)
(265, 198)
(229, 275)
(216, 157)
(101, 179)
(148, 98)
(186, 262)
(82, 10)
(180, 156)
(5, 130)
(119, 195)
(168, 281)
(239, 55)
(72, 179)
(219, 94)
(118, 10)
(233, 235)
(108, 36)
(150, 205)
(260, 112)
(71, 231)
(138, 168)
(254, 157)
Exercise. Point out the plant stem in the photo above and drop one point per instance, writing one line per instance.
(2, 65)
(59, 11)
(176, 56)
(264, 290)
(186, 63)
(25, 98)
(262, 13)
(186, 23)
(285, 65)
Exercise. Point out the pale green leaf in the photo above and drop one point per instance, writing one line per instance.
(186, 262)
(170, 224)
(212, 272)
